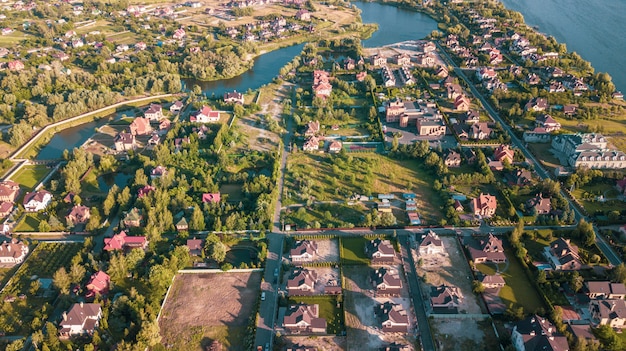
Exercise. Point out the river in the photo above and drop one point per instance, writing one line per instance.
(592, 28)
(394, 25)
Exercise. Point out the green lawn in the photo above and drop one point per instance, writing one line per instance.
(334, 316)
(542, 151)
(518, 289)
(30, 175)
(588, 193)
(332, 177)
(353, 251)
(335, 215)
(29, 223)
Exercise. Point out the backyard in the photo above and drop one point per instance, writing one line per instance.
(352, 251)
(330, 308)
(30, 175)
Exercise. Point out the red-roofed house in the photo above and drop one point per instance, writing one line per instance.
(140, 126)
(15, 65)
(9, 190)
(504, 152)
(122, 241)
(205, 115)
(98, 284)
(211, 197)
(462, 103)
(5, 208)
(484, 205)
(145, 191)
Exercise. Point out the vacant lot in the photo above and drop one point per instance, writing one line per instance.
(209, 306)
(452, 270)
(362, 328)
(328, 343)
(353, 251)
(30, 175)
(464, 334)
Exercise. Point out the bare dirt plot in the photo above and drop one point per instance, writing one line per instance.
(326, 343)
(326, 276)
(451, 271)
(327, 251)
(458, 334)
(363, 330)
(209, 306)
(258, 138)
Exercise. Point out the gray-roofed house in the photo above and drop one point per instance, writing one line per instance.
(563, 255)
(537, 334)
(606, 290)
(608, 312)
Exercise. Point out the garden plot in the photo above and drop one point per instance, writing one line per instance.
(363, 329)
(451, 271)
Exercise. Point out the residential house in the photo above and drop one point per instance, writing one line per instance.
(349, 64)
(145, 190)
(176, 107)
(205, 115)
(401, 59)
(121, 241)
(414, 218)
(182, 225)
(301, 282)
(608, 312)
(563, 255)
(98, 284)
(458, 206)
(155, 112)
(479, 131)
(493, 281)
(304, 318)
(452, 159)
(393, 318)
(80, 319)
(211, 198)
(5, 208)
(410, 205)
(164, 125)
(537, 135)
(377, 60)
(13, 252)
(303, 251)
(15, 65)
(312, 143)
(536, 333)
(462, 103)
(430, 127)
(486, 73)
(179, 34)
(504, 153)
(321, 84)
(155, 139)
(303, 15)
(37, 201)
(234, 96)
(606, 290)
(445, 296)
(539, 205)
(431, 245)
(140, 126)
(471, 117)
(361, 76)
(618, 95)
(78, 215)
(195, 246)
(536, 104)
(133, 218)
(125, 142)
(335, 147)
(312, 128)
(519, 177)
(484, 205)
(386, 281)
(487, 249)
(380, 251)
(548, 123)
(9, 191)
(158, 172)
(570, 109)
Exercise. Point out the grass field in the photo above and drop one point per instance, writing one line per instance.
(327, 309)
(30, 175)
(331, 177)
(335, 215)
(518, 289)
(588, 193)
(29, 223)
(542, 151)
(352, 251)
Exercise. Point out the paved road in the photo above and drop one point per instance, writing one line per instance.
(267, 309)
(613, 258)
(428, 344)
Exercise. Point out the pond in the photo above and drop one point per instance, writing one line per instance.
(106, 181)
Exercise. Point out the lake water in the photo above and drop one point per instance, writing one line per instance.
(592, 28)
(394, 25)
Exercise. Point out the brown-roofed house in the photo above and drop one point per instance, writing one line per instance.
(539, 204)
(445, 296)
(608, 312)
(233, 96)
(304, 318)
(124, 142)
(380, 251)
(9, 191)
(504, 152)
(81, 319)
(140, 126)
(431, 244)
(484, 205)
(393, 318)
(387, 281)
(303, 251)
(452, 159)
(563, 255)
(154, 112)
(79, 214)
(312, 128)
(493, 281)
(301, 282)
(606, 290)
(13, 252)
(488, 249)
(5, 208)
(195, 246)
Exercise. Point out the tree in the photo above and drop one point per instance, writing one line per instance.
(94, 221)
(77, 273)
(109, 201)
(123, 199)
(61, 281)
(16, 345)
(214, 248)
(608, 338)
(478, 287)
(141, 178)
(618, 273)
(197, 219)
(576, 281)
(44, 226)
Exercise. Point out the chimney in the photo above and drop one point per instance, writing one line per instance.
(65, 316)
(81, 304)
